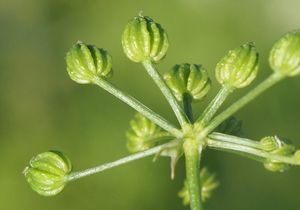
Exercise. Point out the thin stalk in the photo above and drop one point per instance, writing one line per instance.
(235, 140)
(267, 83)
(151, 70)
(80, 174)
(138, 106)
(250, 152)
(192, 152)
(213, 106)
(187, 107)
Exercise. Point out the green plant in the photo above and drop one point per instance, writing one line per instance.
(145, 41)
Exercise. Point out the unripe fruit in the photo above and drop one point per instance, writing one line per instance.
(239, 67)
(144, 39)
(285, 54)
(46, 173)
(188, 79)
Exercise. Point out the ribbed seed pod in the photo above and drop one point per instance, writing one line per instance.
(285, 54)
(85, 63)
(46, 173)
(271, 143)
(188, 79)
(239, 67)
(144, 39)
(208, 184)
(279, 148)
(143, 134)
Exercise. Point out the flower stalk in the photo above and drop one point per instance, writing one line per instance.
(90, 171)
(192, 152)
(138, 106)
(266, 84)
(214, 105)
(151, 70)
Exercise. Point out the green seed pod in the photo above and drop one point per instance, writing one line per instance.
(188, 79)
(239, 67)
(144, 39)
(85, 63)
(46, 173)
(208, 184)
(279, 148)
(271, 143)
(285, 54)
(143, 134)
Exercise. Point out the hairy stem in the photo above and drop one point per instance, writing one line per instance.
(151, 69)
(138, 106)
(192, 151)
(269, 82)
(249, 152)
(213, 106)
(187, 107)
(79, 174)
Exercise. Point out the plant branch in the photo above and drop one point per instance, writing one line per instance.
(235, 140)
(80, 174)
(187, 107)
(213, 106)
(151, 70)
(192, 151)
(249, 151)
(138, 106)
(267, 83)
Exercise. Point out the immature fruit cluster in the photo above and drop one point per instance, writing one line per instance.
(86, 63)
(275, 146)
(144, 39)
(285, 54)
(46, 173)
(143, 134)
(189, 80)
(238, 68)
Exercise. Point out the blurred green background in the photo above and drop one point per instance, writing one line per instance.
(42, 109)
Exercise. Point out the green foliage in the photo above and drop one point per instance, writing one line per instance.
(231, 126)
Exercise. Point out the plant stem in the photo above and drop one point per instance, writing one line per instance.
(214, 105)
(79, 174)
(138, 106)
(192, 150)
(151, 69)
(187, 107)
(250, 152)
(235, 140)
(267, 83)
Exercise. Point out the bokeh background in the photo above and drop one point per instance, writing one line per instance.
(42, 109)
